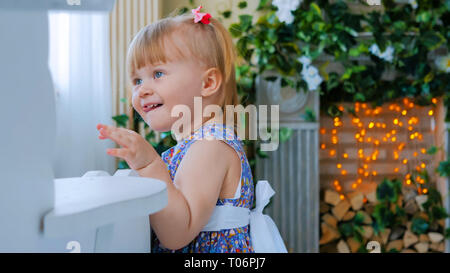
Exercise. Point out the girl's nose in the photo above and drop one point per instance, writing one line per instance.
(145, 91)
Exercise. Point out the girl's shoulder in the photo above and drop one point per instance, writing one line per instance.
(218, 131)
(211, 131)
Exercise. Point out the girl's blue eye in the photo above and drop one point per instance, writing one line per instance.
(137, 81)
(158, 72)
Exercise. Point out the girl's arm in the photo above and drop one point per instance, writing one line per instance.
(194, 192)
(196, 187)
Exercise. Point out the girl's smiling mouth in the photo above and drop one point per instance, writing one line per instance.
(150, 107)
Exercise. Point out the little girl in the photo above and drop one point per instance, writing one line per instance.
(172, 63)
(169, 63)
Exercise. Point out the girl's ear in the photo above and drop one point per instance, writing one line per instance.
(212, 80)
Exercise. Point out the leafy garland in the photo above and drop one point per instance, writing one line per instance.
(321, 30)
(405, 33)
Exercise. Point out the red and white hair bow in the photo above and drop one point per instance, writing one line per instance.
(201, 17)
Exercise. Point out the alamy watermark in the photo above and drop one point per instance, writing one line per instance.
(74, 246)
(259, 122)
(373, 247)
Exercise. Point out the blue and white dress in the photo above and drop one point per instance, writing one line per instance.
(233, 240)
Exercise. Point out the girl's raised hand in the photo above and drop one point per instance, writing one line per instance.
(136, 151)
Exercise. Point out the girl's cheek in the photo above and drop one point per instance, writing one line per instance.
(134, 96)
(135, 102)
(134, 92)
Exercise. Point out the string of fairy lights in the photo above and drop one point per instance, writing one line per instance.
(403, 134)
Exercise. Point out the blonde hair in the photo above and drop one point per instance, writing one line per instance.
(210, 44)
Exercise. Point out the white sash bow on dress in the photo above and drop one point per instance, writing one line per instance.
(264, 233)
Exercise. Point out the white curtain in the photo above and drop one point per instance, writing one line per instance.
(80, 67)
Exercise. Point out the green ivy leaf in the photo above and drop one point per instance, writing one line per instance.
(242, 4)
(342, 46)
(349, 87)
(425, 89)
(183, 10)
(226, 14)
(165, 134)
(121, 120)
(271, 78)
(245, 21)
(262, 4)
(346, 229)
(347, 74)
(354, 52)
(423, 17)
(334, 111)
(429, 77)
(235, 30)
(261, 154)
(358, 219)
(252, 162)
(419, 226)
(383, 216)
(309, 115)
(358, 68)
(432, 150)
(272, 36)
(150, 135)
(447, 233)
(432, 40)
(438, 213)
(285, 133)
(400, 26)
(362, 248)
(316, 8)
(291, 47)
(333, 81)
(388, 191)
(123, 165)
(303, 36)
(359, 97)
(358, 231)
(241, 46)
(444, 168)
(318, 26)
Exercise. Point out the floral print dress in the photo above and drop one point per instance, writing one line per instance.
(235, 240)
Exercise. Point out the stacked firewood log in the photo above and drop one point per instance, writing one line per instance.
(336, 209)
